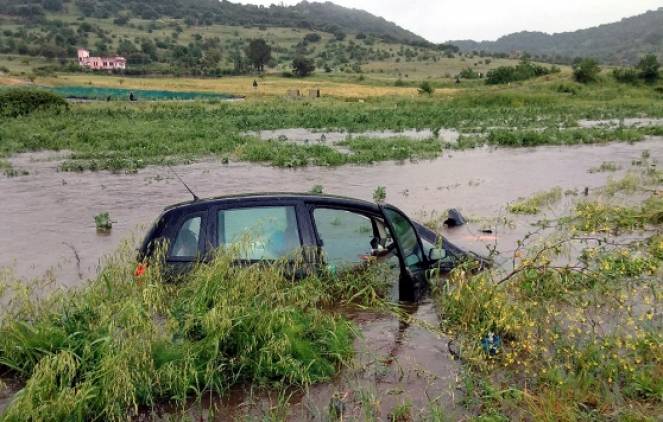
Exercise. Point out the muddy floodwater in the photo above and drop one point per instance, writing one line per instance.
(317, 136)
(47, 217)
(47, 227)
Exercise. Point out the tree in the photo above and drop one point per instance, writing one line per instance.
(302, 67)
(586, 70)
(258, 53)
(649, 67)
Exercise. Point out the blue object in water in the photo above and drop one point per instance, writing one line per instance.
(491, 344)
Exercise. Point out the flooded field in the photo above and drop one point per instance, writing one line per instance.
(48, 228)
(48, 216)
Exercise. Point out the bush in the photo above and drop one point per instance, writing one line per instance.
(468, 73)
(425, 88)
(18, 102)
(649, 67)
(568, 88)
(586, 71)
(626, 75)
(523, 71)
(312, 37)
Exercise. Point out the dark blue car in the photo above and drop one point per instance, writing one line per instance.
(330, 231)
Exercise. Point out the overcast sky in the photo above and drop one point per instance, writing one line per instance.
(442, 20)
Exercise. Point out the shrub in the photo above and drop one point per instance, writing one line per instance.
(312, 37)
(523, 71)
(468, 73)
(567, 88)
(626, 75)
(649, 67)
(586, 71)
(534, 204)
(18, 102)
(425, 88)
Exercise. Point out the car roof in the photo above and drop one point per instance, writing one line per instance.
(267, 196)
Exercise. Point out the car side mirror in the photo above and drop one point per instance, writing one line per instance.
(436, 254)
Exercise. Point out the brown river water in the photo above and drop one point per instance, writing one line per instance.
(47, 227)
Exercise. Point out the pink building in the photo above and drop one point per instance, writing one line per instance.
(100, 63)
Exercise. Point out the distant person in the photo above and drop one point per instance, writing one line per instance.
(108, 98)
(132, 97)
(255, 84)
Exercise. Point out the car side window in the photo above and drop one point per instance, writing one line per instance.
(259, 233)
(187, 242)
(346, 236)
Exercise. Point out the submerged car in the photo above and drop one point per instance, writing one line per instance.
(329, 231)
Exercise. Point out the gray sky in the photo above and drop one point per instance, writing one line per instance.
(441, 20)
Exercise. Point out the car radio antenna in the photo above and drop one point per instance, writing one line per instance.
(195, 197)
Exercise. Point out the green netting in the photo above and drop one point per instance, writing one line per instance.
(115, 94)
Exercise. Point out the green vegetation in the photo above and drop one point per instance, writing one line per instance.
(425, 88)
(599, 216)
(380, 194)
(126, 343)
(626, 75)
(205, 38)
(531, 138)
(302, 66)
(523, 71)
(557, 338)
(534, 204)
(103, 222)
(468, 73)
(317, 189)
(122, 136)
(606, 166)
(19, 102)
(649, 68)
(586, 71)
(259, 53)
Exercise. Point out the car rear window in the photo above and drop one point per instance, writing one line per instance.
(259, 233)
(187, 241)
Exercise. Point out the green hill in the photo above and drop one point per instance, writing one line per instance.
(622, 42)
(199, 37)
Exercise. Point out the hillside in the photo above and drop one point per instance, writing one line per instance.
(326, 17)
(616, 43)
(199, 37)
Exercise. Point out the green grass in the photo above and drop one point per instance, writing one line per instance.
(129, 136)
(533, 204)
(606, 166)
(123, 343)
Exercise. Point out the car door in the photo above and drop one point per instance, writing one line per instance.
(349, 238)
(414, 263)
